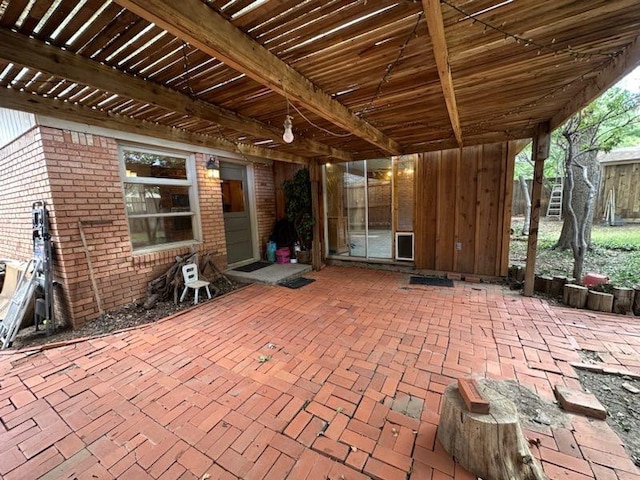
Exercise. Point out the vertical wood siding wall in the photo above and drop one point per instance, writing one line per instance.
(463, 198)
(625, 179)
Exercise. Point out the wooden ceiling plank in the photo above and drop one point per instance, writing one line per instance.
(435, 24)
(27, 102)
(617, 68)
(81, 18)
(13, 12)
(56, 18)
(200, 26)
(39, 8)
(39, 56)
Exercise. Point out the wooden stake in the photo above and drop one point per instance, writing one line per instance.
(94, 285)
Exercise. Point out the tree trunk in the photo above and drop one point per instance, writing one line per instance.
(582, 178)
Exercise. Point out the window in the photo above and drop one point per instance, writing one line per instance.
(159, 197)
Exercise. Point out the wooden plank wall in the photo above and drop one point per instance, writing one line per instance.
(625, 178)
(464, 198)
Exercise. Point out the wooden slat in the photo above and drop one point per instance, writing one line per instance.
(197, 24)
(433, 16)
(35, 54)
(13, 12)
(26, 102)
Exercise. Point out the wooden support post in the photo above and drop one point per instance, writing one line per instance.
(540, 152)
(316, 249)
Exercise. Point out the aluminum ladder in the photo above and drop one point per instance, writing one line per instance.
(554, 209)
(10, 324)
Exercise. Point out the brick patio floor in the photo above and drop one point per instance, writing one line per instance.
(345, 363)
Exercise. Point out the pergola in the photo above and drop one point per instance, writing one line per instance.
(361, 79)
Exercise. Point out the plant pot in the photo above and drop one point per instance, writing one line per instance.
(304, 256)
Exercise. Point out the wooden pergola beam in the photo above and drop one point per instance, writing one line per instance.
(27, 102)
(618, 68)
(196, 23)
(435, 24)
(45, 58)
(540, 152)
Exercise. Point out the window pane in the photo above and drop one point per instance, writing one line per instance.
(144, 164)
(232, 196)
(405, 188)
(147, 232)
(149, 199)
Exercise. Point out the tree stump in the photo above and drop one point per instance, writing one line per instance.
(575, 296)
(557, 286)
(636, 300)
(622, 300)
(542, 284)
(600, 302)
(491, 446)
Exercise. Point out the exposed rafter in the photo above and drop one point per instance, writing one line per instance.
(39, 56)
(16, 100)
(618, 68)
(194, 22)
(433, 15)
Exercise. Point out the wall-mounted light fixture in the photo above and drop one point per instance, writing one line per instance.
(213, 167)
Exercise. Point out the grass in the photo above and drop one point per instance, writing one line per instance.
(615, 252)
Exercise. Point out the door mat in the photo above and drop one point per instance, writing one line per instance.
(433, 281)
(297, 282)
(252, 267)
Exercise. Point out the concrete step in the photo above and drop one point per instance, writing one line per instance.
(271, 275)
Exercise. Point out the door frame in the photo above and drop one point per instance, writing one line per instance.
(253, 215)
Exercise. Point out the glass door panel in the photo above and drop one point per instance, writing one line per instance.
(355, 202)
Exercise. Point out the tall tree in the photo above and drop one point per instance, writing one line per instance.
(601, 126)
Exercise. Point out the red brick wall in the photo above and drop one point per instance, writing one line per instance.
(84, 185)
(265, 203)
(23, 180)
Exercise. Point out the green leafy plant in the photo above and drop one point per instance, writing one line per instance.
(298, 206)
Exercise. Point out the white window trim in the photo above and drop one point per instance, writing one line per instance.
(191, 182)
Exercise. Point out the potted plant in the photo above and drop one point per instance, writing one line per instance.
(298, 209)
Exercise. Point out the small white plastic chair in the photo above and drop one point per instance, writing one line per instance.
(190, 274)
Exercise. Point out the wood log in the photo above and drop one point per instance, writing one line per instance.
(622, 300)
(557, 286)
(490, 446)
(599, 301)
(575, 295)
(636, 300)
(542, 284)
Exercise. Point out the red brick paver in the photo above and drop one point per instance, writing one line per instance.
(357, 363)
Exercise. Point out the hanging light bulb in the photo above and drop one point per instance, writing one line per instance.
(287, 136)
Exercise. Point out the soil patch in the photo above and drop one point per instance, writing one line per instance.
(622, 405)
(131, 315)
